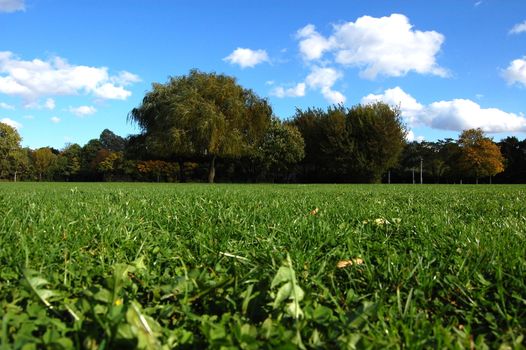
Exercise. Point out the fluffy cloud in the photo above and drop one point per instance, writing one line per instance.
(456, 115)
(320, 78)
(55, 120)
(516, 72)
(4, 105)
(518, 28)
(296, 91)
(12, 5)
(48, 104)
(312, 44)
(410, 137)
(461, 114)
(410, 108)
(247, 57)
(379, 46)
(112, 92)
(34, 79)
(82, 111)
(125, 78)
(11, 123)
(324, 79)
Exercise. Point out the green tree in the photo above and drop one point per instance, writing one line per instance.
(479, 155)
(281, 148)
(44, 160)
(71, 156)
(88, 162)
(379, 138)
(202, 116)
(328, 146)
(351, 144)
(20, 163)
(111, 164)
(514, 153)
(112, 142)
(9, 145)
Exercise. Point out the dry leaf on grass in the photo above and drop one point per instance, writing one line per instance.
(349, 262)
(314, 211)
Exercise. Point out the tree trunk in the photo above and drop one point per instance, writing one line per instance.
(477, 180)
(14, 179)
(182, 178)
(212, 170)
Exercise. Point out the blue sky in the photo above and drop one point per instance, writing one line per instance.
(69, 69)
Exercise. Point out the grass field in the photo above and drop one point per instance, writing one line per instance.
(113, 266)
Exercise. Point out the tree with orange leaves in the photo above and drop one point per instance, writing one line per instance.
(479, 155)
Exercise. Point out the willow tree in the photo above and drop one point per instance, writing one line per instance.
(201, 116)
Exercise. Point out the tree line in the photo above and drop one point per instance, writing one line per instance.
(206, 127)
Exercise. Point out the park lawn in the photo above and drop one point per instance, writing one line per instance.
(130, 265)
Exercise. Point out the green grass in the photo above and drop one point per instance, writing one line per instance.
(106, 266)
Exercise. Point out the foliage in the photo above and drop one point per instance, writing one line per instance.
(10, 151)
(479, 155)
(111, 164)
(202, 115)
(282, 147)
(379, 138)
(157, 169)
(112, 142)
(44, 159)
(514, 153)
(71, 155)
(355, 144)
(9, 140)
(122, 266)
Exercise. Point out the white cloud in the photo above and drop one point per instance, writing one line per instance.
(49, 104)
(12, 5)
(4, 105)
(36, 78)
(12, 123)
(112, 92)
(125, 78)
(247, 57)
(457, 114)
(312, 44)
(333, 96)
(379, 46)
(296, 91)
(518, 28)
(409, 107)
(82, 111)
(410, 137)
(55, 120)
(461, 114)
(516, 72)
(320, 78)
(323, 78)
